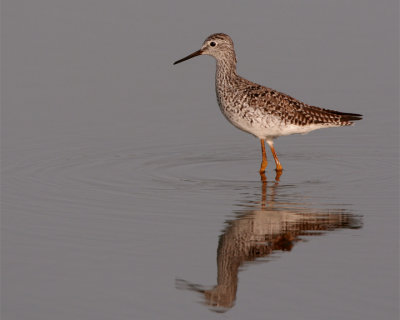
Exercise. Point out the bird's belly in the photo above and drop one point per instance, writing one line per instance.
(262, 124)
(253, 121)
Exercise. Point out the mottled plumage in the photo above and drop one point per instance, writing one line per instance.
(261, 111)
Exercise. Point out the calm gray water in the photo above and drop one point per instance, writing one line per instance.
(127, 195)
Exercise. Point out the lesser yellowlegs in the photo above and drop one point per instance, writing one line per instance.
(261, 111)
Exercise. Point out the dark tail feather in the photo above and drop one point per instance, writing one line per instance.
(344, 116)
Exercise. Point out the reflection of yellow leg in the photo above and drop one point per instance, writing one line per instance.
(278, 164)
(264, 157)
(263, 193)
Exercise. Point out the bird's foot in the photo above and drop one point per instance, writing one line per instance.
(278, 174)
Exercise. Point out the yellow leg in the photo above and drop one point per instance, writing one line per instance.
(278, 164)
(264, 162)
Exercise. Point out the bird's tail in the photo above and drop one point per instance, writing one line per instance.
(348, 117)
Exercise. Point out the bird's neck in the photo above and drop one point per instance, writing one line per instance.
(226, 75)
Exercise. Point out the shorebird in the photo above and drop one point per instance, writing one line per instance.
(263, 112)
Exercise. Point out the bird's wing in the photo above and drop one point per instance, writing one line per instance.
(293, 111)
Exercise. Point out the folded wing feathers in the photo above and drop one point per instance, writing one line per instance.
(293, 111)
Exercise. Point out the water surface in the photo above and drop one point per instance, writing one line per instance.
(126, 194)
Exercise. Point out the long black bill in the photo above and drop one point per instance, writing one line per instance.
(194, 54)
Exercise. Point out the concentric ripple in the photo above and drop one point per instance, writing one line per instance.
(88, 170)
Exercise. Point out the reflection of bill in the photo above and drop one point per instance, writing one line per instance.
(259, 232)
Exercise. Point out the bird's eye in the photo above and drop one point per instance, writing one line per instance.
(213, 44)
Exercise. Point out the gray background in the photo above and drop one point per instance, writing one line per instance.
(119, 172)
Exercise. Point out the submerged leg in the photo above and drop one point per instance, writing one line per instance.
(264, 157)
(278, 164)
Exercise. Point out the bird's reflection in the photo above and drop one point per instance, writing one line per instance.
(268, 225)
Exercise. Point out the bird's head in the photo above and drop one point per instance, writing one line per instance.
(218, 45)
